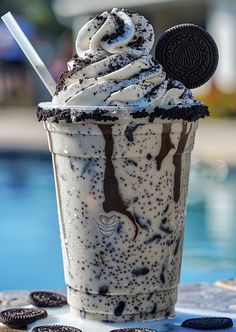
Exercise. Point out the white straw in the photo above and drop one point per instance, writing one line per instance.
(30, 52)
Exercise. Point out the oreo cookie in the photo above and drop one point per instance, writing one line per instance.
(19, 317)
(188, 54)
(47, 299)
(208, 323)
(55, 328)
(134, 329)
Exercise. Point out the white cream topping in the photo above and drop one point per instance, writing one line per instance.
(114, 66)
(112, 33)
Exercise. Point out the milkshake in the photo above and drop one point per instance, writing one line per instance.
(121, 133)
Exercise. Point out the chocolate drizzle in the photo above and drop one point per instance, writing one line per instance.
(166, 145)
(113, 200)
(177, 159)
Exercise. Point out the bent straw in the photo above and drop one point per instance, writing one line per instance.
(30, 52)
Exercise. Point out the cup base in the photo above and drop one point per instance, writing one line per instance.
(163, 314)
(113, 308)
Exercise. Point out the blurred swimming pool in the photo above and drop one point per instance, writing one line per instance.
(30, 253)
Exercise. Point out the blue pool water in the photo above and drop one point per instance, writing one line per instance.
(30, 254)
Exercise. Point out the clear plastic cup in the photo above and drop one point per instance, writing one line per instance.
(121, 192)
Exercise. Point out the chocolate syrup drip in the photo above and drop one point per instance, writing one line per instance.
(113, 200)
(177, 160)
(166, 145)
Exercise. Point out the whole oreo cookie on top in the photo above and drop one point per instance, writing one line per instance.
(188, 54)
(47, 299)
(208, 323)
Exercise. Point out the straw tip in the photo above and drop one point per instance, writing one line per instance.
(6, 15)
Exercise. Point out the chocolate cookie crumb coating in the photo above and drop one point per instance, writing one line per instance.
(186, 113)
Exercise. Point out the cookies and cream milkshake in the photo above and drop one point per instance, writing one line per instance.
(121, 133)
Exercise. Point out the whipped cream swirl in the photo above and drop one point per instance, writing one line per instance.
(113, 67)
(116, 32)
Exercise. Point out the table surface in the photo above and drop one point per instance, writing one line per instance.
(194, 300)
